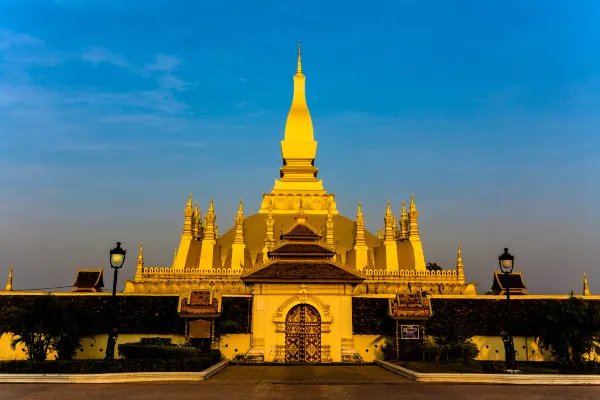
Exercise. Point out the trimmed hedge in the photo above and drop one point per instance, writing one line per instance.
(103, 366)
(140, 351)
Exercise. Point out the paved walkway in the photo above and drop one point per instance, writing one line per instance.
(307, 374)
(250, 391)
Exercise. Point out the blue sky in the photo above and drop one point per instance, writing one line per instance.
(112, 111)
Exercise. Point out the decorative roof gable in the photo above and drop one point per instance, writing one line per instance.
(323, 271)
(89, 280)
(513, 281)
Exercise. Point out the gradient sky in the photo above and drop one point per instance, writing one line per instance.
(112, 112)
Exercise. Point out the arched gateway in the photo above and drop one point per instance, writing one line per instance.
(303, 334)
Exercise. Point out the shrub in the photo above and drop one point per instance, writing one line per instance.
(463, 350)
(115, 366)
(141, 351)
(156, 341)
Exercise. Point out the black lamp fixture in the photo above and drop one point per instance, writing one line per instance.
(506, 261)
(117, 256)
(117, 259)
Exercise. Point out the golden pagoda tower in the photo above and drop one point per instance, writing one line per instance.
(298, 175)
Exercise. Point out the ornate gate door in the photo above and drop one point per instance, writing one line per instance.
(303, 334)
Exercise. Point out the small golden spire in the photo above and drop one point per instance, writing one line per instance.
(413, 206)
(9, 285)
(388, 210)
(141, 255)
(459, 262)
(216, 231)
(359, 213)
(175, 254)
(403, 213)
(299, 69)
(211, 207)
(301, 215)
(586, 288)
(189, 202)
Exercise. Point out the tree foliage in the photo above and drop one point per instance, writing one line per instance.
(433, 267)
(570, 329)
(45, 324)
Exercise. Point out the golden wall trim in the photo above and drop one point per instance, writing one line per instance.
(515, 297)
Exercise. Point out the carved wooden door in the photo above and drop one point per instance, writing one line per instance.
(303, 335)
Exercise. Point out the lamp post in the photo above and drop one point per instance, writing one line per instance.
(117, 259)
(507, 263)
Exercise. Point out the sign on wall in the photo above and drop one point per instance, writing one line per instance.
(200, 329)
(409, 331)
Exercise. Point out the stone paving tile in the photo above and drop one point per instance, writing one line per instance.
(292, 392)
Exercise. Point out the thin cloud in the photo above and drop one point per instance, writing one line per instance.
(163, 63)
(243, 80)
(242, 104)
(10, 39)
(97, 55)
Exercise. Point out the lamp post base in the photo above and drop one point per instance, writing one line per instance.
(110, 347)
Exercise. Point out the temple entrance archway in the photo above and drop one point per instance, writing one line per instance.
(303, 334)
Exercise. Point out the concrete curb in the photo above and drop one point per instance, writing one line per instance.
(131, 377)
(497, 379)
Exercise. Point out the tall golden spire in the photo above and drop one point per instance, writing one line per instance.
(586, 288)
(403, 222)
(9, 286)
(239, 225)
(298, 148)
(188, 214)
(299, 69)
(389, 234)
(195, 220)
(360, 227)
(413, 216)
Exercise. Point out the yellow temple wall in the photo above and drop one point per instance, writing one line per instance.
(364, 346)
(234, 344)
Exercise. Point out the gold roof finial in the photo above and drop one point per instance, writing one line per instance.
(359, 213)
(189, 202)
(299, 69)
(211, 207)
(388, 210)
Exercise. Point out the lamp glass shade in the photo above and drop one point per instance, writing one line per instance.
(507, 264)
(117, 259)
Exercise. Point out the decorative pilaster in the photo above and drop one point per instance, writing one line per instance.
(9, 282)
(140, 264)
(329, 224)
(403, 223)
(586, 288)
(460, 268)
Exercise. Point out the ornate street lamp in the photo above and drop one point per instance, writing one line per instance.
(117, 259)
(507, 263)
